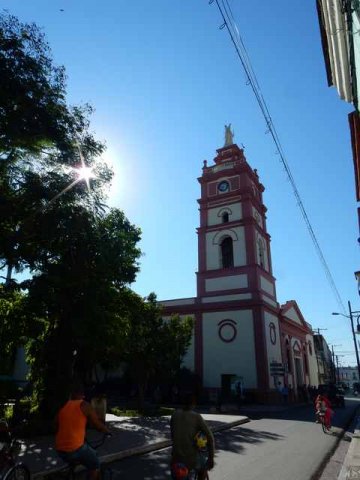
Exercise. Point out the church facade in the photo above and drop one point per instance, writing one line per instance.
(241, 332)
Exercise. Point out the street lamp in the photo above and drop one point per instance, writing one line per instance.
(350, 316)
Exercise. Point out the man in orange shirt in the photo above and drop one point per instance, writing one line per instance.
(71, 427)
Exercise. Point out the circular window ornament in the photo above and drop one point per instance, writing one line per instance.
(272, 329)
(227, 330)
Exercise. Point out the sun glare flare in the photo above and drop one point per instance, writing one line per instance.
(84, 173)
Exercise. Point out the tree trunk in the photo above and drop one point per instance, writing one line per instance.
(141, 397)
(58, 373)
(96, 375)
(9, 274)
(142, 386)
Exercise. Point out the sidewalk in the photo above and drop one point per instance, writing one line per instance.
(351, 465)
(131, 436)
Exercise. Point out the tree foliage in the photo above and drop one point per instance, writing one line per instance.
(40, 136)
(154, 344)
(13, 325)
(32, 90)
(76, 309)
(78, 254)
(78, 292)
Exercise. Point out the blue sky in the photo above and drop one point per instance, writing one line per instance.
(164, 79)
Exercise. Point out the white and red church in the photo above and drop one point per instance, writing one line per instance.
(241, 331)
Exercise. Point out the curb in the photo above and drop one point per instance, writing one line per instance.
(142, 450)
(325, 460)
(351, 462)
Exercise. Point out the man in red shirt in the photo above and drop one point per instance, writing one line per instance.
(71, 423)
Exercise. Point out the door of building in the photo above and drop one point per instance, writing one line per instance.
(298, 372)
(226, 382)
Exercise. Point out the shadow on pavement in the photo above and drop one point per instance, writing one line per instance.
(155, 466)
(128, 434)
(234, 439)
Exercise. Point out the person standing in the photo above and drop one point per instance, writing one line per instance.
(285, 394)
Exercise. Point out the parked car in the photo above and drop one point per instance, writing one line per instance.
(334, 394)
(342, 385)
(340, 389)
(356, 388)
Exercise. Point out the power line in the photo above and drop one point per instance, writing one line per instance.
(230, 24)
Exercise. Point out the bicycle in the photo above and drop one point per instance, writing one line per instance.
(325, 428)
(10, 469)
(181, 472)
(69, 470)
(196, 477)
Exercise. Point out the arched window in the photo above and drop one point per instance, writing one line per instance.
(227, 254)
(225, 217)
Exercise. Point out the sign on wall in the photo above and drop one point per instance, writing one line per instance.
(277, 369)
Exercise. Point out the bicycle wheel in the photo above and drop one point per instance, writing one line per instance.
(324, 429)
(18, 472)
(197, 476)
(106, 473)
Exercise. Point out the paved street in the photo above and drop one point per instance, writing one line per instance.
(287, 446)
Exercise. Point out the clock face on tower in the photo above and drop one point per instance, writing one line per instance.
(223, 186)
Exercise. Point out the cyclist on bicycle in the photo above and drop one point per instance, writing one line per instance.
(323, 406)
(190, 434)
(71, 423)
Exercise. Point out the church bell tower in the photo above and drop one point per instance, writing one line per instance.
(234, 246)
(234, 277)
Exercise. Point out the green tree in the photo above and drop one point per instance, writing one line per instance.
(32, 91)
(153, 344)
(13, 326)
(78, 253)
(77, 292)
(39, 138)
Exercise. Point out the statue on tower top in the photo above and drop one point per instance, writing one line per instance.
(229, 136)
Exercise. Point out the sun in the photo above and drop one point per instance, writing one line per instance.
(84, 173)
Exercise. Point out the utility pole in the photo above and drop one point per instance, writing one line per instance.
(337, 369)
(353, 332)
(333, 361)
(318, 330)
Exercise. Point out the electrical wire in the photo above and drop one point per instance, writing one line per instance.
(230, 24)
